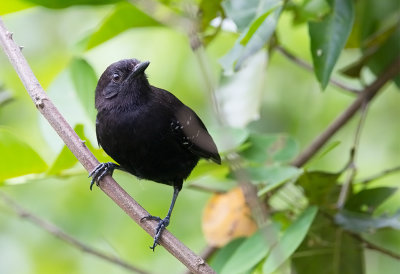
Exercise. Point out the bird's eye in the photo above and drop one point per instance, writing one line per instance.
(116, 77)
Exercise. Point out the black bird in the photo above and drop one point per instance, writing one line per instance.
(148, 131)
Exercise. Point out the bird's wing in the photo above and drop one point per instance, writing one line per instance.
(193, 135)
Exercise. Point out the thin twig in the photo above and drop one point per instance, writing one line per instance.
(108, 185)
(204, 188)
(365, 96)
(373, 246)
(358, 237)
(57, 232)
(352, 163)
(309, 67)
(379, 175)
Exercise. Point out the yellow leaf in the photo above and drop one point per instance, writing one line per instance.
(227, 216)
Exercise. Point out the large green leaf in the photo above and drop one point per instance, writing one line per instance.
(373, 16)
(367, 200)
(66, 160)
(209, 10)
(85, 80)
(282, 176)
(124, 16)
(60, 4)
(290, 240)
(13, 6)
(271, 177)
(17, 157)
(222, 255)
(386, 54)
(270, 148)
(309, 10)
(360, 222)
(329, 250)
(329, 37)
(258, 20)
(229, 138)
(249, 253)
(243, 12)
(320, 187)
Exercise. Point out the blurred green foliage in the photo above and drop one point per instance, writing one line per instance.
(271, 109)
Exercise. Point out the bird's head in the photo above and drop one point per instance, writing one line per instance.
(125, 79)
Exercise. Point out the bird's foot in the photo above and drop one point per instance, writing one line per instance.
(162, 224)
(100, 171)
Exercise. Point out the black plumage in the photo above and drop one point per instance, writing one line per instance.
(148, 131)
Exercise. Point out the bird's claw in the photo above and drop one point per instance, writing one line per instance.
(162, 224)
(100, 171)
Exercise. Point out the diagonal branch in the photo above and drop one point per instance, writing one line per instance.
(373, 246)
(108, 185)
(364, 97)
(379, 175)
(57, 232)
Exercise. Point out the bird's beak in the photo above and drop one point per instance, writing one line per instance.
(138, 69)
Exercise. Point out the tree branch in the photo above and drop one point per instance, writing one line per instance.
(373, 246)
(379, 175)
(57, 232)
(365, 96)
(108, 185)
(352, 162)
(309, 67)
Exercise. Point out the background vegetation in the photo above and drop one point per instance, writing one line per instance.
(252, 58)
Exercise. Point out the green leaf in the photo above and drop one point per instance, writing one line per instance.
(60, 4)
(374, 17)
(258, 20)
(208, 168)
(386, 54)
(327, 249)
(208, 11)
(329, 37)
(270, 177)
(13, 6)
(243, 12)
(222, 255)
(17, 157)
(270, 148)
(229, 138)
(66, 160)
(310, 10)
(367, 200)
(360, 222)
(320, 187)
(85, 80)
(274, 176)
(249, 253)
(124, 17)
(290, 241)
(254, 27)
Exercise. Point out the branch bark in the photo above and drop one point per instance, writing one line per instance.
(108, 185)
(364, 97)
